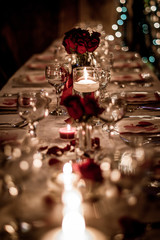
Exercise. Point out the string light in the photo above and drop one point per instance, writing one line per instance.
(118, 27)
(150, 28)
(152, 12)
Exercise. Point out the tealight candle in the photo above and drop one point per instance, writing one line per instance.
(85, 80)
(67, 132)
(86, 85)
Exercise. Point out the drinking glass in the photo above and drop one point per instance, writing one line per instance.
(56, 74)
(32, 107)
(114, 106)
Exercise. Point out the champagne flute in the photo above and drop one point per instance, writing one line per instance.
(32, 107)
(56, 74)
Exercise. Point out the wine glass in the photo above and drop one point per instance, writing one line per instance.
(114, 105)
(32, 107)
(56, 74)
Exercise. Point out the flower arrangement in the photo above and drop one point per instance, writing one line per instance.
(81, 42)
(82, 109)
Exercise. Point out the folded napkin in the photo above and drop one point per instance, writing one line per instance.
(9, 103)
(124, 64)
(36, 78)
(126, 56)
(30, 79)
(11, 136)
(44, 57)
(39, 66)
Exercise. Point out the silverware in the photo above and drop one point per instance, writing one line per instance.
(150, 107)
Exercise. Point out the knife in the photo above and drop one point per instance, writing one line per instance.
(149, 108)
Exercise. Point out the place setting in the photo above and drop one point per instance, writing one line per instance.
(8, 104)
(30, 79)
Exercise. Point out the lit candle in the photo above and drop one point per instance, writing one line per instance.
(67, 176)
(73, 226)
(67, 132)
(86, 85)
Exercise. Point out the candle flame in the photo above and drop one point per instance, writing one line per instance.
(67, 168)
(85, 74)
(68, 127)
(73, 226)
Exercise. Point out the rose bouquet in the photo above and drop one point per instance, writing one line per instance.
(80, 42)
(82, 109)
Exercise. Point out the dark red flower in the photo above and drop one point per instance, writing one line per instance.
(74, 106)
(79, 41)
(91, 106)
(94, 41)
(88, 169)
(81, 109)
(69, 45)
(81, 48)
(69, 41)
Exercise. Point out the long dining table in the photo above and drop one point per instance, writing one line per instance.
(126, 205)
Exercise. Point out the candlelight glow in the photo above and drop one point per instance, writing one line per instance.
(73, 226)
(68, 127)
(72, 199)
(67, 176)
(85, 74)
(67, 169)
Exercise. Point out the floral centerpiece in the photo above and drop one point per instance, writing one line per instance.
(80, 42)
(82, 110)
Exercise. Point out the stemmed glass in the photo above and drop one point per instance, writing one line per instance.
(56, 74)
(115, 106)
(32, 107)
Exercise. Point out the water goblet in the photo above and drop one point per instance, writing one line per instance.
(32, 107)
(114, 105)
(56, 74)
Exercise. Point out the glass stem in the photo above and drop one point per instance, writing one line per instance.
(58, 99)
(32, 130)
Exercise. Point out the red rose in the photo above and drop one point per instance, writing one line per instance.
(79, 41)
(88, 169)
(91, 106)
(69, 45)
(82, 37)
(74, 106)
(81, 47)
(94, 42)
(69, 41)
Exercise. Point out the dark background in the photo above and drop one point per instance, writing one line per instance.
(28, 27)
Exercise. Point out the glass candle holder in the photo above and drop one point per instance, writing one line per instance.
(85, 79)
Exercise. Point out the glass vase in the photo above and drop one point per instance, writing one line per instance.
(84, 138)
(81, 60)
